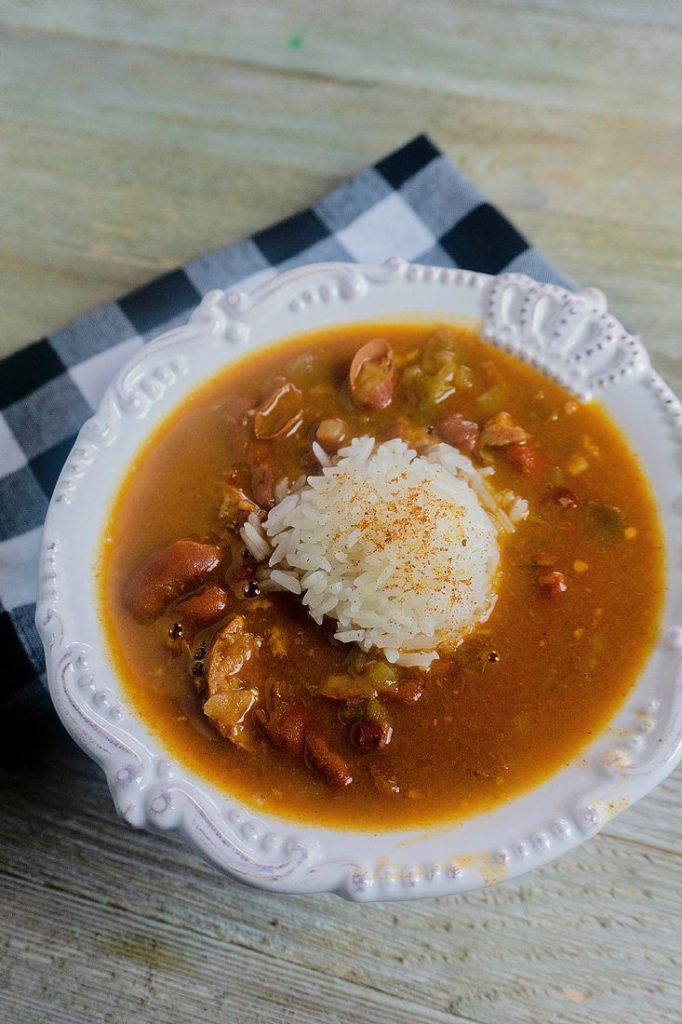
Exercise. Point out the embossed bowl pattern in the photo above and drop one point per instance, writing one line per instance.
(570, 337)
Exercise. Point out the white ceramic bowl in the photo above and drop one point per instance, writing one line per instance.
(570, 337)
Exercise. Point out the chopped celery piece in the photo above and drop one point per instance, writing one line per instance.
(492, 400)
(376, 712)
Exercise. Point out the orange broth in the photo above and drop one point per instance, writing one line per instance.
(523, 694)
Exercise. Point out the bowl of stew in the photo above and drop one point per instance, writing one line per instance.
(368, 581)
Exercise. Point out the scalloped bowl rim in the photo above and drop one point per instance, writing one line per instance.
(570, 337)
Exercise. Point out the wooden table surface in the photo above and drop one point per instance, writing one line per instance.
(136, 134)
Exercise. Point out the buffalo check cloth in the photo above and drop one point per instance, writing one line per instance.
(413, 203)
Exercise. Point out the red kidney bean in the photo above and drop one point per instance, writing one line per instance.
(523, 457)
(458, 432)
(203, 607)
(167, 575)
(285, 726)
(331, 766)
(331, 433)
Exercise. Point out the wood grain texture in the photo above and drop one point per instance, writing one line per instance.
(134, 135)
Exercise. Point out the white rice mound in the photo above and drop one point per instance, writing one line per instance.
(401, 549)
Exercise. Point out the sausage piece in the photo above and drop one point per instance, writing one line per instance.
(167, 575)
(228, 712)
(331, 766)
(230, 699)
(501, 430)
(371, 375)
(280, 414)
(231, 649)
(285, 727)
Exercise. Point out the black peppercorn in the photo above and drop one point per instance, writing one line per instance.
(251, 589)
(198, 668)
(493, 656)
(200, 653)
(175, 631)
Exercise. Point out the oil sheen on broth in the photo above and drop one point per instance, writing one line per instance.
(516, 701)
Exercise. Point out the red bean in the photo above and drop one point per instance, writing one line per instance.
(523, 457)
(408, 691)
(372, 735)
(167, 575)
(458, 432)
(285, 727)
(331, 433)
(204, 607)
(263, 484)
(331, 766)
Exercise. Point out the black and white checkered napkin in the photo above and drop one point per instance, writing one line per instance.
(413, 203)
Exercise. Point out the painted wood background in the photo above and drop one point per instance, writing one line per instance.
(137, 133)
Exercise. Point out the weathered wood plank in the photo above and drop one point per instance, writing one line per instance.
(135, 136)
(170, 135)
(436, 43)
(114, 905)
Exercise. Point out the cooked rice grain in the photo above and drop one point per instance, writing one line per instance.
(401, 550)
